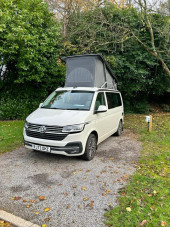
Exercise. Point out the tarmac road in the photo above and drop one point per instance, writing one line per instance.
(77, 192)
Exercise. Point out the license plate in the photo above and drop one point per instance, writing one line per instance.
(40, 148)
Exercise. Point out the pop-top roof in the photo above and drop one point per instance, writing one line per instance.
(89, 70)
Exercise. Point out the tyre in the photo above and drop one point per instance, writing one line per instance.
(119, 130)
(91, 147)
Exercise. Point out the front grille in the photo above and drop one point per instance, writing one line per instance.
(49, 129)
(47, 136)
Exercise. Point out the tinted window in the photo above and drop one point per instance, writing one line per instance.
(100, 100)
(113, 100)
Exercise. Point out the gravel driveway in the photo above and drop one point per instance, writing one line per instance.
(77, 192)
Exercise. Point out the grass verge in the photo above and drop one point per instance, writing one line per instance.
(10, 135)
(145, 200)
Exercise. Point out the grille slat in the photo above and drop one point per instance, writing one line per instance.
(47, 136)
(51, 133)
(36, 127)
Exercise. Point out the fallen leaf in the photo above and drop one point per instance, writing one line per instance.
(47, 209)
(87, 170)
(66, 193)
(41, 198)
(144, 222)
(128, 209)
(154, 192)
(80, 170)
(7, 224)
(34, 201)
(111, 158)
(84, 188)
(74, 186)
(91, 204)
(149, 195)
(24, 200)
(37, 212)
(74, 172)
(152, 208)
(46, 219)
(123, 193)
(59, 184)
(68, 206)
(97, 176)
(86, 198)
(163, 223)
(114, 181)
(103, 194)
(123, 178)
(28, 205)
(16, 198)
(83, 178)
(44, 225)
(79, 206)
(107, 191)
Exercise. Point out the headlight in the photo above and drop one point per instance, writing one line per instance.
(26, 124)
(73, 128)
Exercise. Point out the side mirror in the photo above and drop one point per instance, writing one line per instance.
(101, 109)
(40, 105)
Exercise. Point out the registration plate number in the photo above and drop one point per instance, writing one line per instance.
(40, 148)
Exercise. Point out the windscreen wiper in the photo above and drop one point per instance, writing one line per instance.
(76, 109)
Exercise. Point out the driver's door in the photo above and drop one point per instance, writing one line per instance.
(100, 118)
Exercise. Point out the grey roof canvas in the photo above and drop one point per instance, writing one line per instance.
(89, 70)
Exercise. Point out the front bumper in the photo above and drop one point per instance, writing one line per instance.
(69, 149)
(72, 145)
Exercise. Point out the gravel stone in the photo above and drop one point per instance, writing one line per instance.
(66, 181)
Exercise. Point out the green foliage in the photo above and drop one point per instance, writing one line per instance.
(106, 30)
(29, 38)
(16, 108)
(147, 192)
(18, 103)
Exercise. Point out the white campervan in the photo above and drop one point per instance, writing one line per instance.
(73, 120)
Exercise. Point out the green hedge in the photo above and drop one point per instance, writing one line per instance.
(15, 108)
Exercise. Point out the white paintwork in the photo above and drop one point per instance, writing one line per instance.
(103, 123)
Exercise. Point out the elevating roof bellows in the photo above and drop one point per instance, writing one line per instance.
(89, 70)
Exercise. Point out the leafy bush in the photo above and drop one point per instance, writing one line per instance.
(135, 105)
(16, 108)
(18, 103)
(29, 41)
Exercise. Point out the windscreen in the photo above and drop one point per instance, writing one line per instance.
(69, 100)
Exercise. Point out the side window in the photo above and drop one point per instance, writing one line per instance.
(100, 100)
(113, 100)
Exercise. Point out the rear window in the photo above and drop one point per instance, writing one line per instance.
(113, 100)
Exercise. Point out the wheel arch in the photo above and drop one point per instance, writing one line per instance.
(95, 133)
